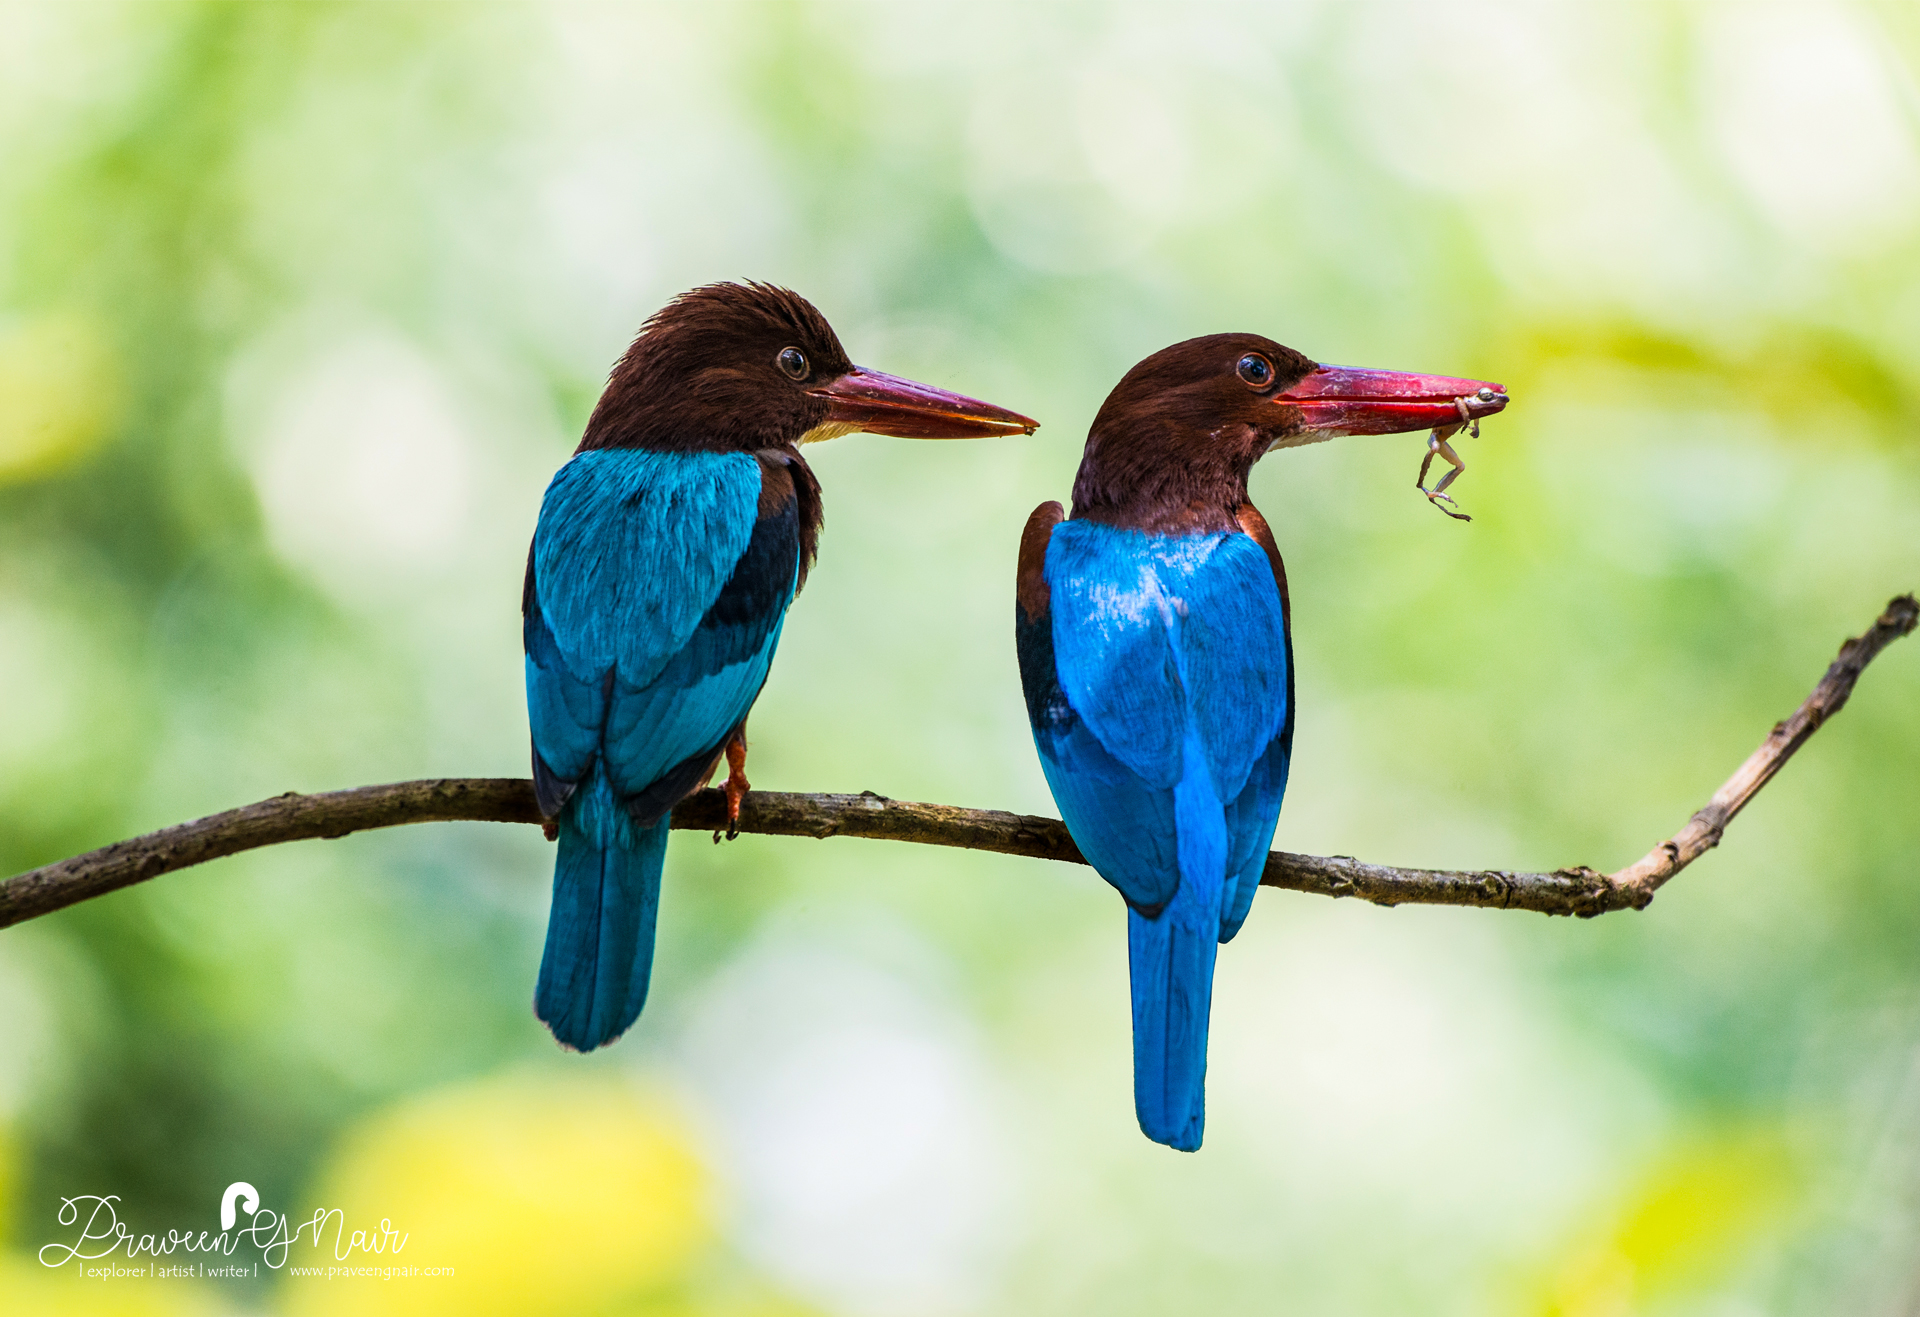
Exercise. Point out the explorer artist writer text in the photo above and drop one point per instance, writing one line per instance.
(103, 1233)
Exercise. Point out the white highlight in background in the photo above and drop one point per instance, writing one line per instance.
(362, 464)
(855, 1115)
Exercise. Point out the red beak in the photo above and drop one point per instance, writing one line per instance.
(886, 404)
(1337, 400)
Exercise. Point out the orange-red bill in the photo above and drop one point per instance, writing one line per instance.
(1338, 400)
(879, 403)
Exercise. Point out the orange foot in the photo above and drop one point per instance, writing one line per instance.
(737, 784)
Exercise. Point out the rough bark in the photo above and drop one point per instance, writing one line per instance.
(1577, 890)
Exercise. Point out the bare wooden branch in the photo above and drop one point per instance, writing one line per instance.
(1704, 829)
(1572, 891)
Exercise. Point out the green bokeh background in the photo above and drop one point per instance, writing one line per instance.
(301, 305)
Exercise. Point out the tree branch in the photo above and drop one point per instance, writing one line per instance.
(1572, 891)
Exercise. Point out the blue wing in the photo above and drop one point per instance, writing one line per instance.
(1250, 818)
(1122, 822)
(656, 589)
(1156, 642)
(1251, 815)
(1157, 677)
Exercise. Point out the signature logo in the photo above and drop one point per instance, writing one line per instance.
(104, 1235)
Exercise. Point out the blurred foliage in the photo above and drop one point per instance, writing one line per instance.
(301, 304)
(556, 1196)
(1696, 1218)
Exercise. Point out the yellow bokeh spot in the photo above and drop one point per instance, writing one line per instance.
(28, 1289)
(759, 1305)
(59, 394)
(9, 1177)
(1684, 1228)
(564, 1197)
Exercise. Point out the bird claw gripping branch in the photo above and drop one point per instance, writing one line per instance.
(1437, 443)
(667, 552)
(737, 784)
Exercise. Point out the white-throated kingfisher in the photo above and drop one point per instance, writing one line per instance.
(1153, 636)
(667, 551)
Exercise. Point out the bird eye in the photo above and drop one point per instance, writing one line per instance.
(793, 362)
(1256, 370)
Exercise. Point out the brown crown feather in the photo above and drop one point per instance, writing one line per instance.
(702, 376)
(1174, 443)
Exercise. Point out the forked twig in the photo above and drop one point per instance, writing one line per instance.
(1572, 891)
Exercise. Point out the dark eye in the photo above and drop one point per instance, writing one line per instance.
(793, 362)
(1256, 370)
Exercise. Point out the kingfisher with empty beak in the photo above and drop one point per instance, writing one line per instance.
(667, 551)
(1155, 647)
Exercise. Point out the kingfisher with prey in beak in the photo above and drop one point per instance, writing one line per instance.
(1155, 649)
(667, 551)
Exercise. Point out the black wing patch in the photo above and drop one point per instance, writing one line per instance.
(550, 791)
(648, 806)
(749, 606)
(733, 630)
(1047, 707)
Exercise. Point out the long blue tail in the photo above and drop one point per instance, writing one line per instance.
(1171, 961)
(606, 895)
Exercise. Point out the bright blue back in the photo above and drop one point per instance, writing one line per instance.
(657, 590)
(632, 550)
(627, 535)
(1156, 675)
(1165, 646)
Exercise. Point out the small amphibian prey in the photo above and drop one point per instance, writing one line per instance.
(1155, 648)
(1437, 445)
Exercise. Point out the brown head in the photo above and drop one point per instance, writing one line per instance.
(747, 366)
(1174, 443)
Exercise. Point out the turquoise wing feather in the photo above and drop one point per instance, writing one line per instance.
(657, 586)
(1156, 677)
